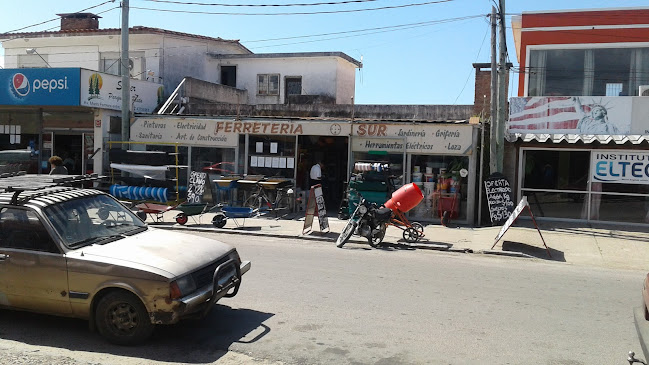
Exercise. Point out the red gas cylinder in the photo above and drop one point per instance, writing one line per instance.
(405, 198)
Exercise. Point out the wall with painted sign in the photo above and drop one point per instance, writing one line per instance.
(225, 133)
(100, 90)
(588, 115)
(433, 138)
(620, 167)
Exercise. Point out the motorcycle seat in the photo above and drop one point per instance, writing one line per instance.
(383, 214)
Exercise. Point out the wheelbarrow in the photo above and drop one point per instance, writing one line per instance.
(234, 213)
(153, 210)
(192, 209)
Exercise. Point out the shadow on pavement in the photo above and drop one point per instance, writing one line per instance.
(535, 251)
(192, 341)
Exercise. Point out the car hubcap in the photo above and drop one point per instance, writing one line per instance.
(123, 317)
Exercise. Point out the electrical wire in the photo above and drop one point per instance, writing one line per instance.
(472, 69)
(261, 5)
(295, 13)
(406, 26)
(55, 19)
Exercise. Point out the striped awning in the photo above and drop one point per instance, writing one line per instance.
(575, 138)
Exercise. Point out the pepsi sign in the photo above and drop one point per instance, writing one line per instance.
(40, 86)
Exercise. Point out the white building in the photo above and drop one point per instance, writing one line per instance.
(166, 57)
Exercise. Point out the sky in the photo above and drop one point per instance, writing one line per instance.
(413, 51)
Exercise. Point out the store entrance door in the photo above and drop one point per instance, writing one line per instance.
(332, 152)
(70, 148)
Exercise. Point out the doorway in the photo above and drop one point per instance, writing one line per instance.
(70, 148)
(229, 76)
(332, 152)
(293, 87)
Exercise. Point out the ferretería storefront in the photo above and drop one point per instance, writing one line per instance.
(439, 157)
(582, 158)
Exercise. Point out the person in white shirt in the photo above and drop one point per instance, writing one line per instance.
(315, 176)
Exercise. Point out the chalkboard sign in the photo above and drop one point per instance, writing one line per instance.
(196, 187)
(500, 198)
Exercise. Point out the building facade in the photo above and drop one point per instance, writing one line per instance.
(579, 131)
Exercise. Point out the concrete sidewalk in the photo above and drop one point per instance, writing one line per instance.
(620, 247)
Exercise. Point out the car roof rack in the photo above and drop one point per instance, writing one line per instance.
(38, 185)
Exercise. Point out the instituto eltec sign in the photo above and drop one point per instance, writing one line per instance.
(621, 167)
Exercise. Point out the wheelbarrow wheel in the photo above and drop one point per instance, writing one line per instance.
(419, 228)
(411, 235)
(182, 218)
(141, 215)
(375, 240)
(219, 220)
(446, 218)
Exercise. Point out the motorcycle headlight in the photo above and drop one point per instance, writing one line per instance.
(182, 286)
(362, 209)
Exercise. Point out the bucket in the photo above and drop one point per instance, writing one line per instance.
(417, 176)
(406, 198)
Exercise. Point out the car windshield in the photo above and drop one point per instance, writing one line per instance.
(90, 220)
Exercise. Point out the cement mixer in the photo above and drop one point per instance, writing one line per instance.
(403, 200)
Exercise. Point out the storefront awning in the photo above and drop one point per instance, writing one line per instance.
(575, 138)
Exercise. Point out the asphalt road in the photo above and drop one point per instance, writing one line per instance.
(306, 302)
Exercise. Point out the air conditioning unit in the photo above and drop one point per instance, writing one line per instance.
(643, 90)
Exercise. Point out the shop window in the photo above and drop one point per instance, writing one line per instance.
(272, 156)
(268, 84)
(556, 170)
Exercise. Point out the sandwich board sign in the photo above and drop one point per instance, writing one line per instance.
(512, 218)
(315, 206)
(500, 198)
(196, 187)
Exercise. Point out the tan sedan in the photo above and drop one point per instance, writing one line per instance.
(80, 253)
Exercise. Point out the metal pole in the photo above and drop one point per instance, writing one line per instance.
(493, 122)
(502, 92)
(40, 141)
(126, 85)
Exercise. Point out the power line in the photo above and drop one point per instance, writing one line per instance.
(406, 26)
(55, 19)
(261, 5)
(476, 60)
(296, 13)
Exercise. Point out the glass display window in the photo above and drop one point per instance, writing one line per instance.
(271, 156)
(443, 180)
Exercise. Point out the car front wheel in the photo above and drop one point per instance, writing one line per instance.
(122, 319)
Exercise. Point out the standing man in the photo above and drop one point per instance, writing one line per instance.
(315, 176)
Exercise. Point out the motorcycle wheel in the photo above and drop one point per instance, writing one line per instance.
(346, 233)
(375, 241)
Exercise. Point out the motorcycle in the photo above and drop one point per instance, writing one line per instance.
(369, 221)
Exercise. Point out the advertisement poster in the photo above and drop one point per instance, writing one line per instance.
(620, 167)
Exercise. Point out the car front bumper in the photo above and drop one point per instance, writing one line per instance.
(225, 283)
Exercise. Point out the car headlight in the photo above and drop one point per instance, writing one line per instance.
(181, 287)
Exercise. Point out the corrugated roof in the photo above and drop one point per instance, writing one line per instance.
(575, 138)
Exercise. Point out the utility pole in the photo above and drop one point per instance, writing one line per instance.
(502, 91)
(493, 137)
(126, 85)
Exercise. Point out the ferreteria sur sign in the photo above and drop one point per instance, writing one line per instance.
(258, 127)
